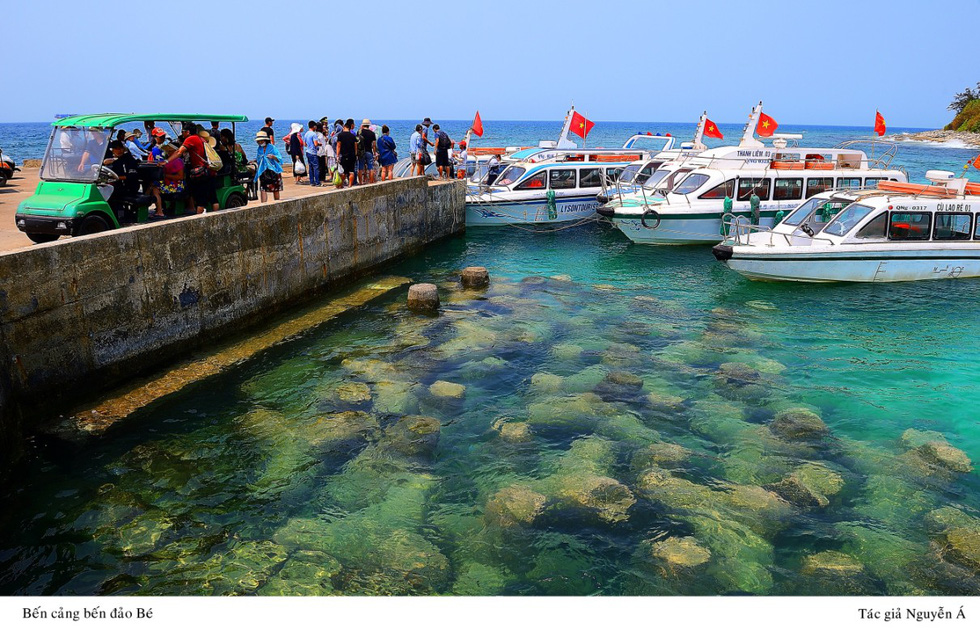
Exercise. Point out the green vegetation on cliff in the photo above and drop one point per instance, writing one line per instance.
(966, 104)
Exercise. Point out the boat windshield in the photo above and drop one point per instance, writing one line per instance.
(847, 219)
(801, 213)
(690, 184)
(657, 177)
(510, 175)
(74, 154)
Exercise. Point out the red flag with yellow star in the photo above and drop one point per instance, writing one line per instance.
(879, 123)
(766, 126)
(711, 130)
(976, 162)
(581, 126)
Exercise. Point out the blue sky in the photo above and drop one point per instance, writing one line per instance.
(826, 62)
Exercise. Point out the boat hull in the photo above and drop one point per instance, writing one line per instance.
(482, 213)
(854, 267)
(698, 230)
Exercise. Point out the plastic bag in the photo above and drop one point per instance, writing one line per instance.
(298, 167)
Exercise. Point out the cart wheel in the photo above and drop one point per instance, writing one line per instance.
(235, 200)
(93, 225)
(3, 179)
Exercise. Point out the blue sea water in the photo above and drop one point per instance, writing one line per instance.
(28, 140)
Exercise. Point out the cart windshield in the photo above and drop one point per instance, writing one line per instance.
(75, 154)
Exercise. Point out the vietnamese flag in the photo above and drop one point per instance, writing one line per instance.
(581, 126)
(879, 123)
(477, 125)
(711, 130)
(976, 162)
(766, 126)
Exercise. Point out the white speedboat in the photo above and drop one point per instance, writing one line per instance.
(683, 202)
(896, 232)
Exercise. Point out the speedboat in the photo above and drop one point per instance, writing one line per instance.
(684, 201)
(554, 182)
(892, 233)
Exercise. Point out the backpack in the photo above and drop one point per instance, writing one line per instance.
(444, 142)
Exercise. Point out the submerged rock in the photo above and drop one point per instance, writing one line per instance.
(963, 547)
(413, 435)
(798, 424)
(914, 438)
(344, 429)
(832, 562)
(513, 506)
(946, 456)
(478, 579)
(512, 431)
(546, 382)
(810, 485)
(354, 392)
(680, 552)
(607, 498)
(445, 389)
(659, 454)
(304, 573)
(566, 351)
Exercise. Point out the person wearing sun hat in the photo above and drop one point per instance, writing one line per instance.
(294, 147)
(268, 172)
(131, 145)
(367, 150)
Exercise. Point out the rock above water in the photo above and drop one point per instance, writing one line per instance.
(445, 389)
(798, 424)
(514, 505)
(680, 552)
(475, 277)
(423, 297)
(831, 562)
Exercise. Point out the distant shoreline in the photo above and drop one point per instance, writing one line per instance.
(940, 135)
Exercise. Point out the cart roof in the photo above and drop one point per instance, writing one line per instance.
(113, 120)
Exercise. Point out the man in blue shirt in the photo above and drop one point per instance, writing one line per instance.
(415, 147)
(312, 159)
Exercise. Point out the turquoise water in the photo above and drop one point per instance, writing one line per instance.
(635, 421)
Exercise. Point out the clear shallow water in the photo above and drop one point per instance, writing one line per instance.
(28, 140)
(619, 433)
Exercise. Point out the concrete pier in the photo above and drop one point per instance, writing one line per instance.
(81, 315)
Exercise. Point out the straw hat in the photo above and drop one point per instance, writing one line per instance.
(131, 134)
(168, 149)
(262, 136)
(366, 122)
(296, 128)
(204, 135)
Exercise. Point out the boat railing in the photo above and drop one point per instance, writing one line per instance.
(881, 154)
(739, 229)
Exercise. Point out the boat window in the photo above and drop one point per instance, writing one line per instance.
(510, 175)
(872, 182)
(906, 226)
(976, 230)
(875, 228)
(590, 177)
(535, 182)
(952, 226)
(690, 184)
(845, 221)
(721, 191)
(788, 189)
(849, 182)
(74, 154)
(613, 174)
(817, 185)
(802, 212)
(562, 178)
(757, 185)
(657, 177)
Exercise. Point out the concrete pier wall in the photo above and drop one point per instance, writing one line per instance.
(79, 315)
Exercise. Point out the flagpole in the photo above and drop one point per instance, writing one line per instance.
(585, 138)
